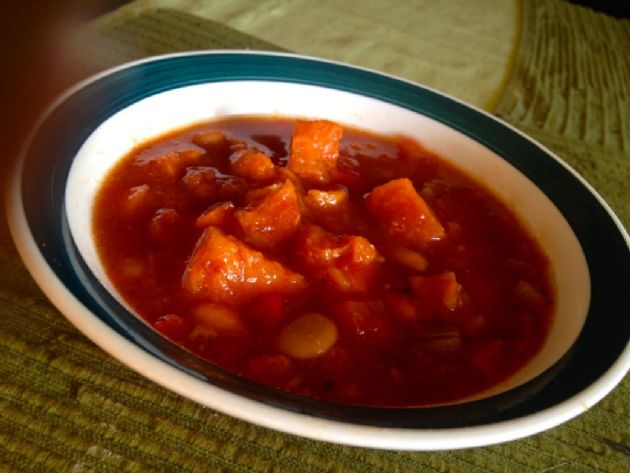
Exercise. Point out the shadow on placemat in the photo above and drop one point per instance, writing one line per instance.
(155, 32)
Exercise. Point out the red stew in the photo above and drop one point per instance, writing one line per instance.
(326, 261)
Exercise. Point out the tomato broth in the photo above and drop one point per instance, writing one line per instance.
(324, 260)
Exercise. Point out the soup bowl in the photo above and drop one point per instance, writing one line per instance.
(90, 128)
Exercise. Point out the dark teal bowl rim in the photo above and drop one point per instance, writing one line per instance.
(50, 154)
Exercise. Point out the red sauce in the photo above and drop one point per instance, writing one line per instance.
(329, 262)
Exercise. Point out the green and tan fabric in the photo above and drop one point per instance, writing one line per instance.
(67, 406)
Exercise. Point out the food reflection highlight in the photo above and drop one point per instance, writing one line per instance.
(326, 261)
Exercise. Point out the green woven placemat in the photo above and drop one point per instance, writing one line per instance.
(67, 406)
(570, 89)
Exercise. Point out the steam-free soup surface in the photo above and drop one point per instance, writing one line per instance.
(324, 260)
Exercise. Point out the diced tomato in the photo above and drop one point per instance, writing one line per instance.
(273, 370)
(252, 165)
(314, 149)
(403, 214)
(171, 326)
(487, 357)
(163, 227)
(436, 294)
(266, 311)
(401, 305)
(274, 220)
(224, 269)
(336, 363)
(474, 325)
(364, 322)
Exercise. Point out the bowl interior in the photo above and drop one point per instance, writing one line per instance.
(165, 111)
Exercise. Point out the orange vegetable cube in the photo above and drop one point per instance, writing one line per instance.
(328, 200)
(217, 215)
(314, 149)
(252, 165)
(224, 269)
(171, 164)
(330, 208)
(403, 213)
(346, 263)
(274, 220)
(210, 138)
(201, 182)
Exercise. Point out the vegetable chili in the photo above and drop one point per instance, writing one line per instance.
(324, 260)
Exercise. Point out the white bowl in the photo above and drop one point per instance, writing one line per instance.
(100, 120)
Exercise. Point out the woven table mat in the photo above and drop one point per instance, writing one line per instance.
(67, 406)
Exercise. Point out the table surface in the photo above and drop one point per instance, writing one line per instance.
(559, 72)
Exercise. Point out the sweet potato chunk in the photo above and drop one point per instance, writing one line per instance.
(273, 220)
(217, 215)
(208, 183)
(314, 149)
(171, 164)
(403, 214)
(210, 138)
(252, 165)
(329, 208)
(346, 263)
(224, 269)
(327, 201)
